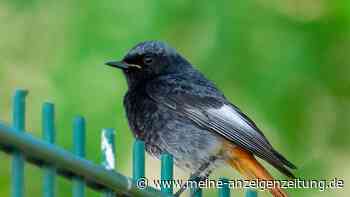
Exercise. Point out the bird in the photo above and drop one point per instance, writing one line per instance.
(175, 109)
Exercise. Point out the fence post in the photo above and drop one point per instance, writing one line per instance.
(48, 129)
(196, 192)
(167, 173)
(138, 160)
(251, 193)
(79, 150)
(18, 121)
(108, 153)
(224, 190)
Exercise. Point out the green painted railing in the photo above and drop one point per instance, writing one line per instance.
(49, 136)
(55, 160)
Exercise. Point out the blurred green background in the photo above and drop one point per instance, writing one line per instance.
(285, 63)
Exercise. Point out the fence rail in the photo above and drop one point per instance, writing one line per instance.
(56, 160)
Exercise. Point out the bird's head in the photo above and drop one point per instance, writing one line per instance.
(148, 60)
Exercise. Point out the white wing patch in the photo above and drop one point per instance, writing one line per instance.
(229, 115)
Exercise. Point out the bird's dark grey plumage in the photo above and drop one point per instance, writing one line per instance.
(175, 109)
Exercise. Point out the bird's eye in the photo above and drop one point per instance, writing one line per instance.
(147, 60)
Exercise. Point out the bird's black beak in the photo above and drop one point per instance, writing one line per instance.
(118, 64)
(122, 65)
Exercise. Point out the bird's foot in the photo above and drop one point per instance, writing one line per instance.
(183, 188)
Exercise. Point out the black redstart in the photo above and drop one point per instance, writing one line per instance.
(174, 109)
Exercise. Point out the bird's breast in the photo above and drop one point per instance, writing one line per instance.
(138, 110)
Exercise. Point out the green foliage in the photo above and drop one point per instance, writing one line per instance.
(285, 63)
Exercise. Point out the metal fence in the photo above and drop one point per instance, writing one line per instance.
(83, 173)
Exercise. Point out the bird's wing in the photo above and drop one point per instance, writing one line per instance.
(208, 108)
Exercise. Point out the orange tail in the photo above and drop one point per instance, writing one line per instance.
(245, 163)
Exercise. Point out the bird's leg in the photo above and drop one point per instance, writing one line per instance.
(194, 177)
(184, 186)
